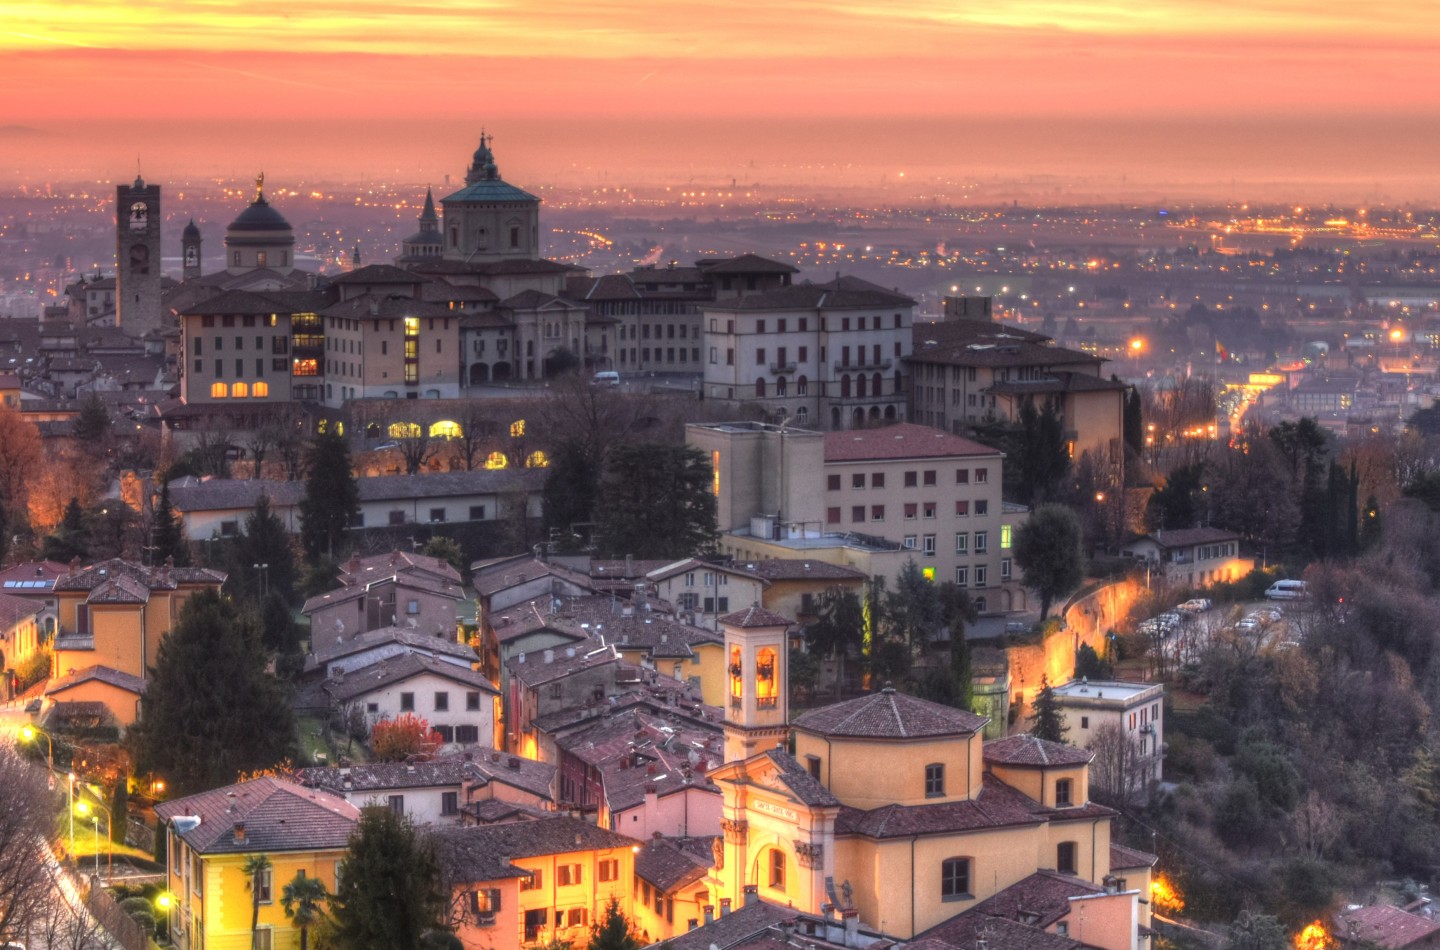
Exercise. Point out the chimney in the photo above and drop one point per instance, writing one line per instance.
(513, 762)
(549, 656)
(709, 913)
(851, 918)
(239, 831)
(724, 906)
(752, 895)
(353, 565)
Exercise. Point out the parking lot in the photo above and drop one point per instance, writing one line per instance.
(1180, 635)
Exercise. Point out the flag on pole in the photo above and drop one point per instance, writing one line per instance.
(1220, 352)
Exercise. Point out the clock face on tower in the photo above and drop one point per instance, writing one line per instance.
(191, 258)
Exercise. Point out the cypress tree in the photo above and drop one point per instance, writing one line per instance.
(390, 892)
(168, 534)
(332, 496)
(1047, 722)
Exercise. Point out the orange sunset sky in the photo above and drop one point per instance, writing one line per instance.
(1257, 89)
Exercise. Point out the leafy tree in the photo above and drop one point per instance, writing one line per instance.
(256, 866)
(71, 539)
(210, 709)
(839, 630)
(119, 809)
(613, 931)
(404, 738)
(571, 489)
(278, 631)
(92, 423)
(264, 541)
(1047, 550)
(303, 899)
(1089, 665)
(656, 502)
(913, 612)
(332, 496)
(446, 549)
(167, 535)
(1047, 721)
(1178, 503)
(804, 671)
(1044, 455)
(1134, 421)
(390, 889)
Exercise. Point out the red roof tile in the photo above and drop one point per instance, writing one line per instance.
(903, 441)
(889, 715)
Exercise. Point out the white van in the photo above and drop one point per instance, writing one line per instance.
(1286, 590)
(607, 377)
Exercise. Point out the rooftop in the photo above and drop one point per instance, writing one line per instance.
(1025, 749)
(264, 814)
(902, 441)
(889, 715)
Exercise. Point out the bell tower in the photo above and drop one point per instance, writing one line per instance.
(137, 257)
(757, 704)
(190, 242)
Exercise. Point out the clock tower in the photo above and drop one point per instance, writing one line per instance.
(757, 706)
(137, 257)
(190, 244)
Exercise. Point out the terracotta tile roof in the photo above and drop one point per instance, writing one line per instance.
(1185, 537)
(1385, 926)
(14, 609)
(533, 671)
(378, 274)
(363, 570)
(401, 636)
(1059, 381)
(889, 715)
(397, 669)
(972, 929)
(735, 928)
(468, 858)
(997, 806)
(528, 775)
(385, 307)
(744, 264)
(755, 616)
(491, 811)
(104, 674)
(1123, 858)
(800, 782)
(120, 589)
(846, 293)
(535, 300)
(1025, 749)
(449, 770)
(1043, 897)
(416, 582)
(670, 863)
(902, 441)
(277, 815)
(542, 836)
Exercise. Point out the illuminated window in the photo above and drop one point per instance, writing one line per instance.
(767, 692)
(240, 391)
(219, 390)
(496, 460)
(537, 460)
(737, 686)
(715, 472)
(405, 430)
(445, 429)
(929, 573)
(777, 869)
(412, 326)
(309, 367)
(1005, 536)
(260, 390)
(517, 428)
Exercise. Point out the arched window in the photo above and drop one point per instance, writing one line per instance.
(759, 389)
(240, 391)
(861, 386)
(802, 415)
(737, 674)
(780, 386)
(955, 879)
(517, 428)
(405, 430)
(767, 690)
(445, 429)
(372, 431)
(802, 386)
(777, 869)
(219, 391)
(537, 459)
(261, 391)
(496, 460)
(845, 386)
(875, 384)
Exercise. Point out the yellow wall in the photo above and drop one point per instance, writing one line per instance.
(501, 934)
(869, 774)
(590, 893)
(1039, 783)
(688, 904)
(127, 636)
(711, 670)
(120, 702)
(223, 906)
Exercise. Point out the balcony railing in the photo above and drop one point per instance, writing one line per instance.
(865, 365)
(783, 367)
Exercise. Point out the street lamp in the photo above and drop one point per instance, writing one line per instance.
(28, 733)
(84, 807)
(166, 902)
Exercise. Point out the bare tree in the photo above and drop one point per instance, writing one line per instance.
(479, 435)
(258, 442)
(25, 820)
(1316, 824)
(62, 926)
(212, 448)
(1120, 772)
(290, 440)
(20, 457)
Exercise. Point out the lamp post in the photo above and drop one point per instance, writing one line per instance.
(28, 734)
(166, 902)
(84, 808)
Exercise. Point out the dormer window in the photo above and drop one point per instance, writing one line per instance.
(935, 780)
(1062, 793)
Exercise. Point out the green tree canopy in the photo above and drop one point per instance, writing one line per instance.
(303, 899)
(262, 559)
(211, 711)
(839, 630)
(1047, 721)
(656, 502)
(1047, 550)
(167, 535)
(71, 539)
(390, 891)
(92, 423)
(571, 488)
(332, 496)
(613, 930)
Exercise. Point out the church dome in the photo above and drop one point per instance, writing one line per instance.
(191, 232)
(259, 217)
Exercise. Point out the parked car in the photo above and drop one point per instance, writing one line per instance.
(607, 377)
(1197, 606)
(1248, 624)
(1286, 590)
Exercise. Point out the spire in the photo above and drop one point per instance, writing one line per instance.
(482, 166)
(429, 213)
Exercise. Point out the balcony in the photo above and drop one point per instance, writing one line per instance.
(864, 366)
(783, 367)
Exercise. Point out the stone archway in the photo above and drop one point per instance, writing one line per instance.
(479, 374)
